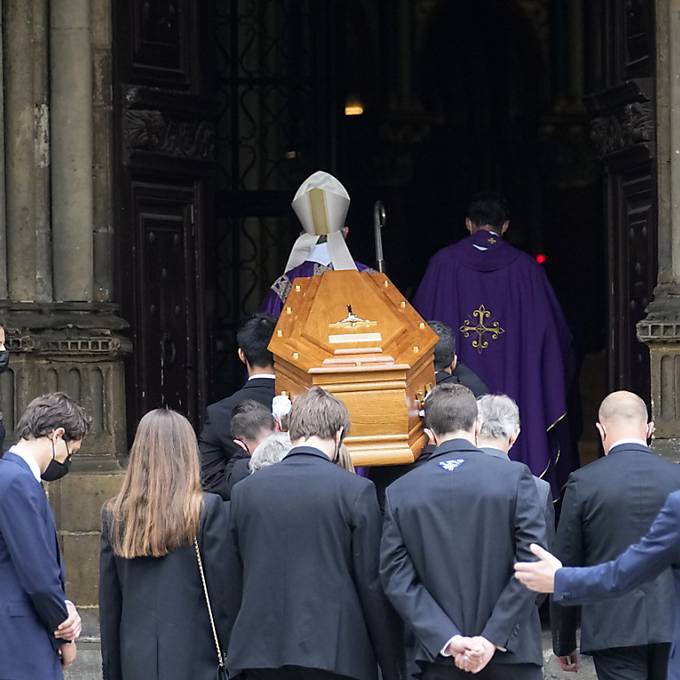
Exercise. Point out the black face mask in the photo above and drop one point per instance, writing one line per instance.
(4, 360)
(56, 470)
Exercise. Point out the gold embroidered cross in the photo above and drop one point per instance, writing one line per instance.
(482, 314)
(491, 240)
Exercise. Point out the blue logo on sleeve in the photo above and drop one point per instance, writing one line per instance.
(451, 465)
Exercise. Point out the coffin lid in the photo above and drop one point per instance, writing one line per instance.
(341, 315)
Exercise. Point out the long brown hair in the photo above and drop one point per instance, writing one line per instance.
(158, 506)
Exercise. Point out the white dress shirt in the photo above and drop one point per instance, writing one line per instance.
(271, 376)
(618, 442)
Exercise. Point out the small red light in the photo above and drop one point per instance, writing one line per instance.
(541, 258)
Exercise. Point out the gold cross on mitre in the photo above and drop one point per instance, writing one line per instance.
(482, 314)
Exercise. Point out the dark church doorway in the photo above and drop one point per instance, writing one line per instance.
(223, 107)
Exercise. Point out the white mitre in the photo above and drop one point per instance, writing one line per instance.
(321, 204)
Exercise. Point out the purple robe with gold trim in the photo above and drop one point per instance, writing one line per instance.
(512, 333)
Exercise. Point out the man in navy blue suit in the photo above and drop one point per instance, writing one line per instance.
(658, 550)
(38, 625)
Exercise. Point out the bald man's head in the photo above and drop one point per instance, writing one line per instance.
(623, 407)
(623, 415)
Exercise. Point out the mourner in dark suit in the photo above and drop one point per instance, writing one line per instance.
(306, 537)
(452, 530)
(216, 442)
(448, 369)
(37, 623)
(153, 612)
(251, 424)
(644, 562)
(608, 505)
(498, 426)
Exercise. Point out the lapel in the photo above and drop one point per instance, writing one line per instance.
(48, 516)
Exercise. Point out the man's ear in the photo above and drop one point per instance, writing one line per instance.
(469, 225)
(241, 445)
(454, 363)
(58, 433)
(242, 356)
(651, 428)
(431, 439)
(478, 429)
(513, 439)
(603, 434)
(504, 227)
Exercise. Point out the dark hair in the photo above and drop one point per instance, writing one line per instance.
(488, 208)
(317, 413)
(445, 349)
(249, 418)
(450, 408)
(253, 338)
(50, 411)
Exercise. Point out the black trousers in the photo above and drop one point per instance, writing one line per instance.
(647, 662)
(290, 673)
(516, 671)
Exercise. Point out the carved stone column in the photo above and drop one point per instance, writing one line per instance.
(72, 157)
(660, 329)
(27, 150)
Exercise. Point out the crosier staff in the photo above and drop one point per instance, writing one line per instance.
(379, 219)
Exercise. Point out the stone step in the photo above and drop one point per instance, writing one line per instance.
(88, 665)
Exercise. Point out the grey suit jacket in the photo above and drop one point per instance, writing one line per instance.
(544, 495)
(453, 529)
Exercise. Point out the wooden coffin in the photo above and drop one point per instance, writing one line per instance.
(356, 335)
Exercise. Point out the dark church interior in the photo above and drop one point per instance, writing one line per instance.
(419, 104)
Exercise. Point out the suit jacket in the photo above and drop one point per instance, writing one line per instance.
(641, 563)
(462, 375)
(31, 577)
(306, 540)
(608, 505)
(544, 496)
(215, 441)
(453, 529)
(154, 618)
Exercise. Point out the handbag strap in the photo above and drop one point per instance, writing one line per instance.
(220, 659)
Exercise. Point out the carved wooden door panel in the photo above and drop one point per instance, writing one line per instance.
(621, 79)
(164, 151)
(165, 278)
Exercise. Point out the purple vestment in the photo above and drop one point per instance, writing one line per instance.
(510, 330)
(275, 298)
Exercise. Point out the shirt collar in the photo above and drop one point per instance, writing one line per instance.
(35, 468)
(619, 442)
(268, 376)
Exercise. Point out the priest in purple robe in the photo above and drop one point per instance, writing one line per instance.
(510, 331)
(321, 205)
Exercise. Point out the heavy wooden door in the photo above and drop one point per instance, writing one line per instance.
(164, 154)
(621, 81)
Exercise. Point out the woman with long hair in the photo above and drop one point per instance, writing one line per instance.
(154, 616)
